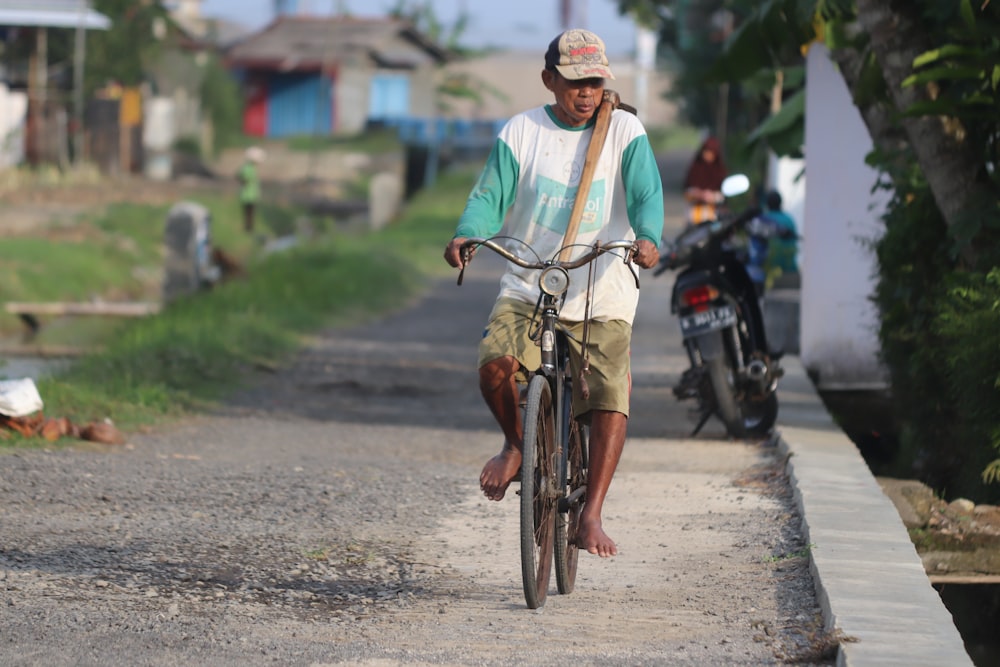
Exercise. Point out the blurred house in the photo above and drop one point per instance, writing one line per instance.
(309, 75)
(40, 130)
(187, 15)
(134, 129)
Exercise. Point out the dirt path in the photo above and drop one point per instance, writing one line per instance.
(329, 515)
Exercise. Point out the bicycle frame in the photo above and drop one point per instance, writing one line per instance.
(552, 367)
(553, 478)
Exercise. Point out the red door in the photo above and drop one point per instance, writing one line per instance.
(255, 112)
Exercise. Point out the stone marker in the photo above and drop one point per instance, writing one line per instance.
(385, 194)
(189, 266)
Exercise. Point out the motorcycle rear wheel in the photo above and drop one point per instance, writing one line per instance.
(759, 416)
(723, 381)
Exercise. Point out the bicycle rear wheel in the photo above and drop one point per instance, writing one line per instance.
(572, 476)
(539, 492)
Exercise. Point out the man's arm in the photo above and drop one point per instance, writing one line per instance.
(488, 202)
(492, 196)
(643, 190)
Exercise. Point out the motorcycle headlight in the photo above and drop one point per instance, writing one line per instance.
(554, 280)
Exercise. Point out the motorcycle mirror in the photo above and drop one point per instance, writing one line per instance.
(734, 185)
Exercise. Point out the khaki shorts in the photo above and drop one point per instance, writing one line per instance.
(507, 334)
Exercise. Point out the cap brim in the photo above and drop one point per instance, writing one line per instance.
(575, 72)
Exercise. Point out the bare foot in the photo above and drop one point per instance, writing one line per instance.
(499, 471)
(591, 536)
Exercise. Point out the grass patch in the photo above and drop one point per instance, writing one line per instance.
(199, 348)
(800, 553)
(925, 540)
(116, 255)
(96, 256)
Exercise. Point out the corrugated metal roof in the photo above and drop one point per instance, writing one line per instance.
(294, 42)
(52, 14)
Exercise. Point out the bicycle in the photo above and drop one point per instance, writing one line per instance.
(553, 472)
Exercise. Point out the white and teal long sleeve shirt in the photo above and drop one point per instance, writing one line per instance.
(527, 189)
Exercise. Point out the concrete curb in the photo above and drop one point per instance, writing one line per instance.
(869, 579)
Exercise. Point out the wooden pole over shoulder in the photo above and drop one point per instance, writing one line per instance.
(600, 134)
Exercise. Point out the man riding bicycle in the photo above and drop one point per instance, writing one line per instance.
(530, 181)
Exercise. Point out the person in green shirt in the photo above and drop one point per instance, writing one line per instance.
(249, 180)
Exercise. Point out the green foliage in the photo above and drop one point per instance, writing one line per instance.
(784, 131)
(934, 315)
(462, 85)
(939, 319)
(991, 475)
(835, 10)
(937, 339)
(962, 76)
(426, 20)
(730, 77)
(187, 146)
(674, 137)
(769, 36)
(222, 102)
(967, 322)
(201, 346)
(911, 270)
(122, 53)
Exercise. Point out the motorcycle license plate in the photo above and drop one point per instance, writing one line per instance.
(709, 320)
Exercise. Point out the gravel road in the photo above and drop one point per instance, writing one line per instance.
(329, 514)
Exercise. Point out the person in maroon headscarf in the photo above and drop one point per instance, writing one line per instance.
(703, 183)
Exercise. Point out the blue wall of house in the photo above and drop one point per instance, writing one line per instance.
(299, 103)
(389, 99)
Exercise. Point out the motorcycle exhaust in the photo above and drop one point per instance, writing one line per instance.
(757, 374)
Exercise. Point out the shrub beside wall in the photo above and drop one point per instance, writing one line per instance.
(940, 337)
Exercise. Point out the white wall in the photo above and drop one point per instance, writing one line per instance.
(13, 117)
(838, 322)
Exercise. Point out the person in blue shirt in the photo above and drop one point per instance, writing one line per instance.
(782, 256)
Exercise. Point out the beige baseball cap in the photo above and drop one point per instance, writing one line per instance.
(578, 54)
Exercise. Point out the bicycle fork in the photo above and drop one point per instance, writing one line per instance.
(547, 342)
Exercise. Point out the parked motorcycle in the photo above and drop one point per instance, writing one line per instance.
(733, 374)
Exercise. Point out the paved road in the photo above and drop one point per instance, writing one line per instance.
(329, 514)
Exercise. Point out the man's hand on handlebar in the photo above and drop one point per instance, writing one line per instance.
(453, 253)
(646, 254)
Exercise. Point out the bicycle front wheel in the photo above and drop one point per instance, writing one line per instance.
(572, 477)
(539, 492)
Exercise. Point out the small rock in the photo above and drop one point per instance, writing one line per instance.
(962, 505)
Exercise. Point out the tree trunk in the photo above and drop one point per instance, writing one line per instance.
(887, 137)
(950, 166)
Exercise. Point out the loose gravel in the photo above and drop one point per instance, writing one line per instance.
(328, 514)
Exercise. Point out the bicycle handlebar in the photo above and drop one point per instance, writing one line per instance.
(596, 251)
